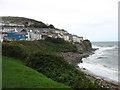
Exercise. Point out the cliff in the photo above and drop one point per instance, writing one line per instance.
(84, 49)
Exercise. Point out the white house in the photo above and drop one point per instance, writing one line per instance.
(66, 37)
(1, 37)
(77, 39)
(33, 35)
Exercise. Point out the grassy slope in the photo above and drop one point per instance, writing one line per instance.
(17, 75)
(43, 56)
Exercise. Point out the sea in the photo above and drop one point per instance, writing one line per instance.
(104, 61)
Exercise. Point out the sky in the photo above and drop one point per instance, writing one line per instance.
(96, 20)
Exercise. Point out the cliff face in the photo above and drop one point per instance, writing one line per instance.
(84, 46)
(84, 49)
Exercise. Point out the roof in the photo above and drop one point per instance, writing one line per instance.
(20, 33)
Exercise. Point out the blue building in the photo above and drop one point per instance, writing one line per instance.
(17, 36)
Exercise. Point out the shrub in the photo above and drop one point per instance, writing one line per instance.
(56, 68)
(56, 40)
(13, 50)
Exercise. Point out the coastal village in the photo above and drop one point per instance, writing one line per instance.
(58, 63)
(17, 31)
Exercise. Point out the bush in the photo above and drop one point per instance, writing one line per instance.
(60, 45)
(56, 68)
(13, 50)
(56, 40)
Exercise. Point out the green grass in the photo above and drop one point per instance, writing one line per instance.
(17, 75)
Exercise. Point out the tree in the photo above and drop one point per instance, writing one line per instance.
(51, 26)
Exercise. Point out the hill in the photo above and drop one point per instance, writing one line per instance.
(23, 22)
(17, 75)
(44, 57)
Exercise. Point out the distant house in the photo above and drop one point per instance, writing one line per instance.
(66, 37)
(44, 36)
(56, 31)
(36, 35)
(63, 31)
(33, 35)
(1, 37)
(70, 38)
(77, 39)
(60, 31)
(16, 36)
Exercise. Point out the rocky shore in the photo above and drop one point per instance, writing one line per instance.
(101, 81)
(75, 58)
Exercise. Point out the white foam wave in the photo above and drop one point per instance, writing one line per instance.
(101, 70)
(105, 48)
(94, 65)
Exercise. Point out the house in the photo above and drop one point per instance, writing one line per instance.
(70, 38)
(63, 31)
(66, 37)
(0, 23)
(56, 35)
(32, 35)
(60, 31)
(16, 36)
(44, 36)
(1, 37)
(77, 39)
(36, 35)
(57, 31)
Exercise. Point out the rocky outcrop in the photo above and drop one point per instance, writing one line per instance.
(74, 58)
(84, 46)
(84, 49)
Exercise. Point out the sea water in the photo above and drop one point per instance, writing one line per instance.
(104, 61)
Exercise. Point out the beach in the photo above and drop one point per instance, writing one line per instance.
(104, 81)
(100, 80)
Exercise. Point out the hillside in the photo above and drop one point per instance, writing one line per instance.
(44, 57)
(24, 22)
(17, 75)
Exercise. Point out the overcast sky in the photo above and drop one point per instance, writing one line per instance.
(96, 20)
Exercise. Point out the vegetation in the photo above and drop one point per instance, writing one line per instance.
(38, 25)
(51, 26)
(43, 56)
(26, 22)
(17, 75)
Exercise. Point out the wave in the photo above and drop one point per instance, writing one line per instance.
(106, 48)
(101, 57)
(101, 70)
(101, 62)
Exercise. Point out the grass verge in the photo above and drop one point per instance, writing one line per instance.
(17, 75)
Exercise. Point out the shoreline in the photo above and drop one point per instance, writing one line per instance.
(75, 58)
(100, 80)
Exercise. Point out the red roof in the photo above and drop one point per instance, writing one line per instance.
(20, 33)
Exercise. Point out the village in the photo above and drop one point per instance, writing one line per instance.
(16, 31)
